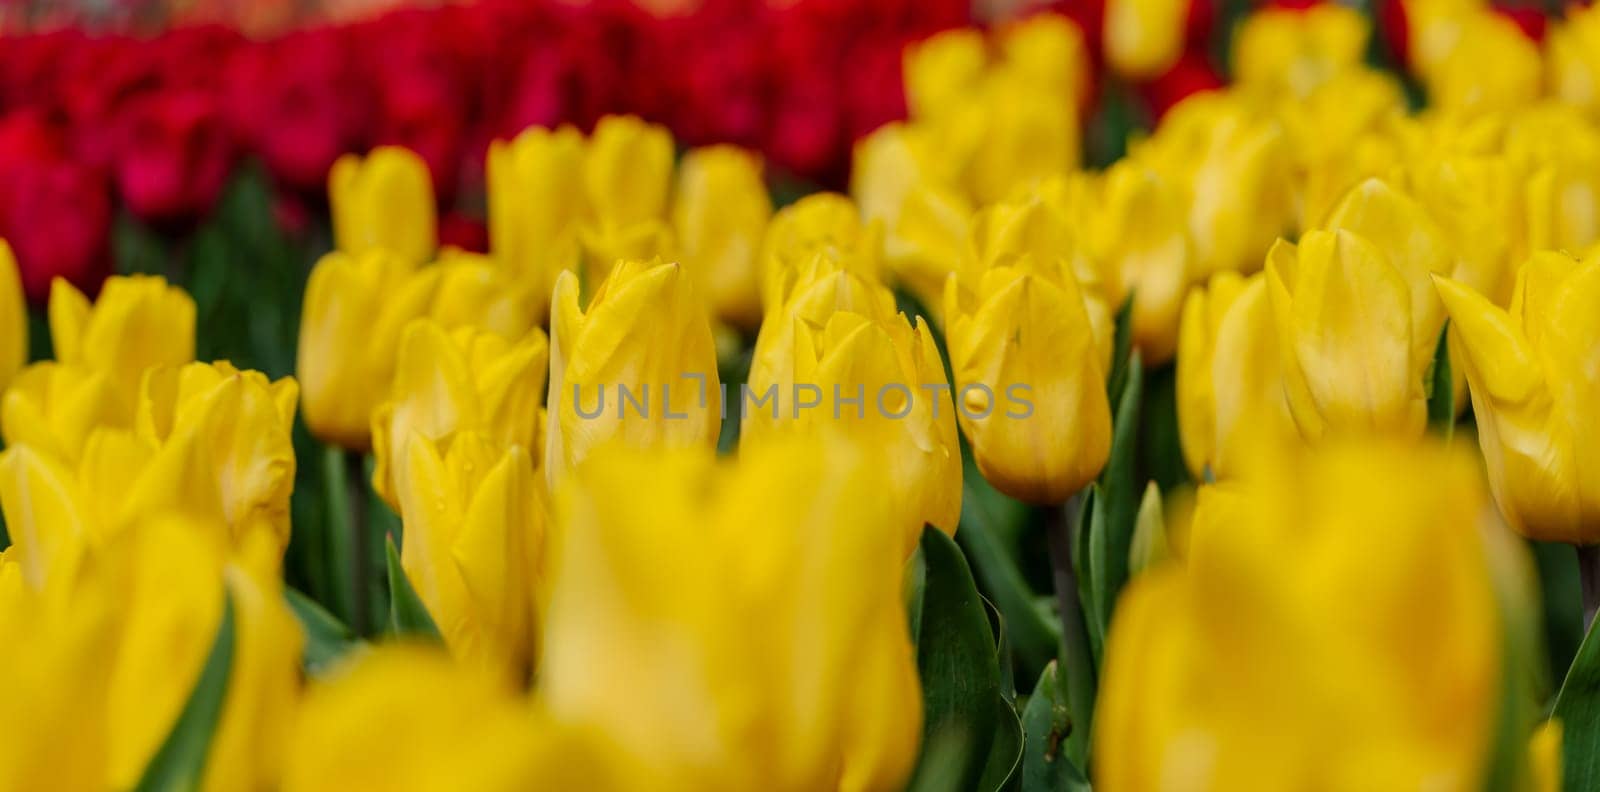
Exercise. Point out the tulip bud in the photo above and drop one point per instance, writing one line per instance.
(1297, 50)
(1558, 150)
(355, 308)
(1384, 589)
(627, 174)
(719, 217)
(1412, 243)
(1476, 203)
(1049, 51)
(384, 202)
(533, 219)
(926, 220)
(1024, 133)
(1029, 362)
(819, 609)
(1143, 38)
(13, 318)
(827, 358)
(448, 383)
(942, 70)
(1572, 56)
(1536, 393)
(644, 347)
(824, 225)
(403, 717)
(1233, 165)
(1343, 317)
(1231, 406)
(1451, 44)
(474, 540)
(1141, 240)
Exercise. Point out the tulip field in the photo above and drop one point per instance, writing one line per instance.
(799, 395)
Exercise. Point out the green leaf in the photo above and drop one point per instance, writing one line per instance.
(1046, 721)
(1034, 635)
(1122, 361)
(1149, 533)
(1441, 388)
(1117, 502)
(1578, 708)
(407, 614)
(327, 638)
(1091, 512)
(1005, 753)
(179, 764)
(956, 661)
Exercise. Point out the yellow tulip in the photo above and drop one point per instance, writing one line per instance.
(211, 443)
(926, 220)
(1572, 58)
(13, 318)
(405, 718)
(1475, 201)
(1457, 42)
(474, 542)
(1342, 312)
(53, 407)
(826, 359)
(52, 677)
(1231, 406)
(787, 664)
(1232, 162)
(1558, 150)
(385, 202)
(627, 175)
(1141, 238)
(942, 70)
(469, 290)
(1353, 127)
(213, 428)
(1018, 133)
(644, 347)
(820, 289)
(356, 308)
(1143, 38)
(1030, 350)
(719, 215)
(1244, 669)
(1411, 242)
(448, 383)
(1536, 393)
(533, 218)
(103, 352)
(138, 322)
(1048, 50)
(1297, 50)
(153, 599)
(825, 225)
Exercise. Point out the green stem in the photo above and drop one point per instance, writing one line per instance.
(1077, 664)
(361, 551)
